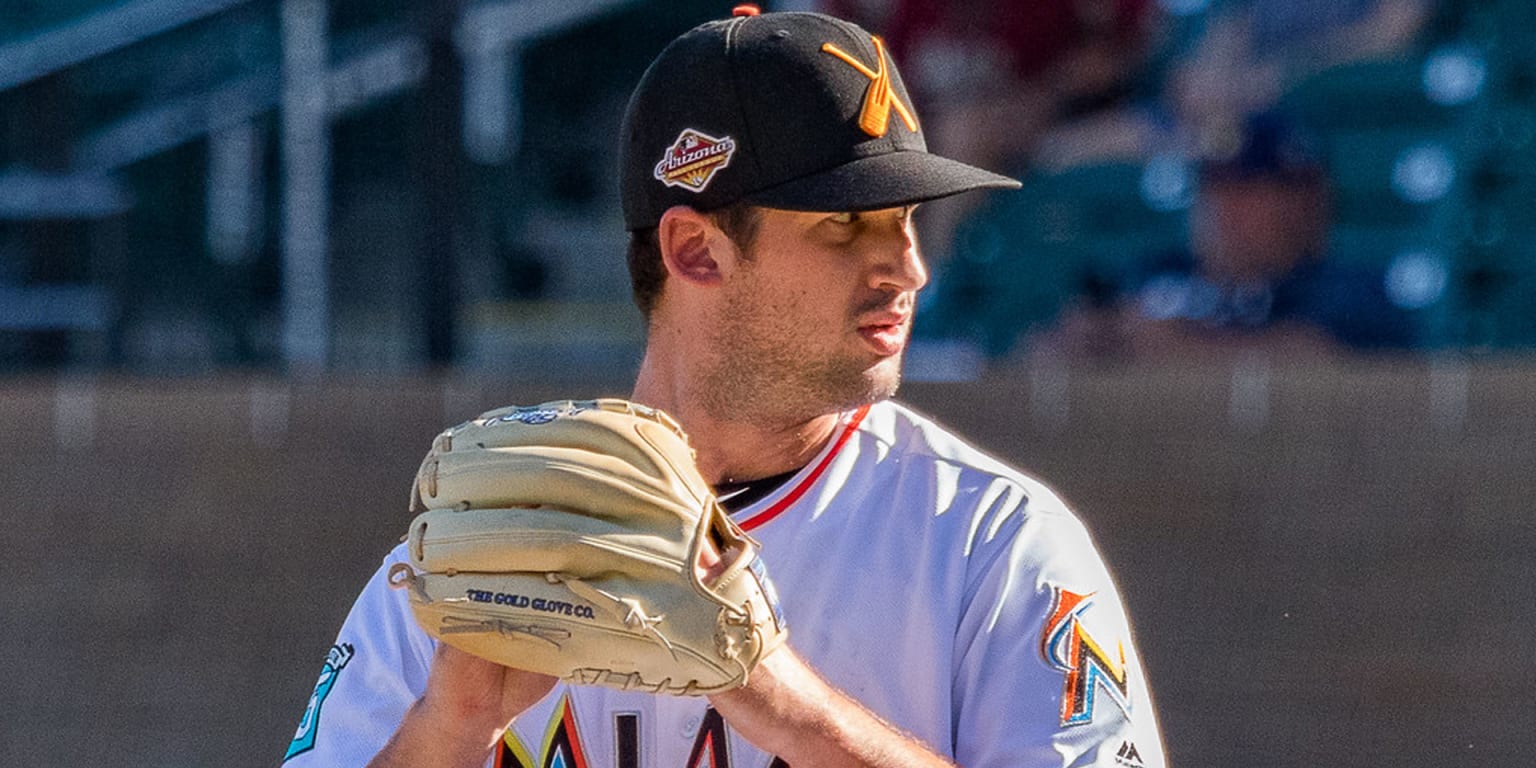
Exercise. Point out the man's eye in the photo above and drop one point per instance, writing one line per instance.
(843, 218)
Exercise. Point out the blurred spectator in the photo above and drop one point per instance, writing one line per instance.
(993, 77)
(1254, 275)
(1013, 84)
(1252, 50)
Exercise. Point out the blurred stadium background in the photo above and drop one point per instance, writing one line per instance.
(255, 253)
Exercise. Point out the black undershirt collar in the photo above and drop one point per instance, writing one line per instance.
(738, 496)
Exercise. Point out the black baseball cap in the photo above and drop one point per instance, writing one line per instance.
(798, 111)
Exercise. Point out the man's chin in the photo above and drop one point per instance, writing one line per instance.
(883, 378)
(856, 387)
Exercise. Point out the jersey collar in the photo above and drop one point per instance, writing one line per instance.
(786, 496)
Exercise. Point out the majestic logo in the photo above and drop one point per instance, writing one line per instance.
(694, 159)
(880, 98)
(1128, 755)
(304, 737)
(1067, 646)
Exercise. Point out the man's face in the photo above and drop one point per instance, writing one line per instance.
(816, 314)
(1259, 229)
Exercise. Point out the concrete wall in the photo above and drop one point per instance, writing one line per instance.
(1327, 566)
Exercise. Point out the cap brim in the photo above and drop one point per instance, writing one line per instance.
(880, 181)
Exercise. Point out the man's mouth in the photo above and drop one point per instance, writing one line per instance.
(886, 333)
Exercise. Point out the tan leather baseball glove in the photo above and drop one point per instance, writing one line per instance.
(572, 538)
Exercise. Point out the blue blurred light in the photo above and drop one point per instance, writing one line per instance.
(1166, 183)
(1454, 75)
(1416, 279)
(1185, 7)
(1424, 172)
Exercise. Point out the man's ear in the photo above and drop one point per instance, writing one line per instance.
(691, 245)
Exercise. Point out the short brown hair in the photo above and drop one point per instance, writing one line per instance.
(647, 273)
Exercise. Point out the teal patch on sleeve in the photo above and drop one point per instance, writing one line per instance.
(304, 737)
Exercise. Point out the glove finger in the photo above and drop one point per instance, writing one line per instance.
(604, 426)
(594, 484)
(594, 431)
(540, 540)
(646, 442)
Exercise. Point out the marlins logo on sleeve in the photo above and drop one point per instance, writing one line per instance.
(1093, 659)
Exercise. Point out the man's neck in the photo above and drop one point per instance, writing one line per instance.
(731, 449)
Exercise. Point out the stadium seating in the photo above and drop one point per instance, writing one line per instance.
(1432, 154)
(1024, 255)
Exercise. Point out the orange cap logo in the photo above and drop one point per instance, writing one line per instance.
(880, 98)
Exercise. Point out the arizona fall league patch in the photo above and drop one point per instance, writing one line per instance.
(694, 159)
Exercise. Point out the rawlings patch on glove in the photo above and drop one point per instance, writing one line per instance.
(578, 539)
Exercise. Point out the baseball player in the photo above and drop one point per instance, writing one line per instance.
(943, 607)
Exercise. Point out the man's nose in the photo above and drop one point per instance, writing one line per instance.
(901, 263)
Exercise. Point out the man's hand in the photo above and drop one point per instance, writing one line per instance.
(458, 720)
(480, 695)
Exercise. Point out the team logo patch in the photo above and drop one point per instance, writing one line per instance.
(770, 593)
(304, 738)
(534, 415)
(1091, 666)
(693, 160)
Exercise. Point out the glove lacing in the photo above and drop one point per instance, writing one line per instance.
(626, 610)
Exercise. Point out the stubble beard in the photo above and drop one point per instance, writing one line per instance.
(767, 380)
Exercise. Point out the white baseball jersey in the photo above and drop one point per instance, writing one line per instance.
(952, 595)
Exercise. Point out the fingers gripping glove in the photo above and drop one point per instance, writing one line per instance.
(562, 538)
